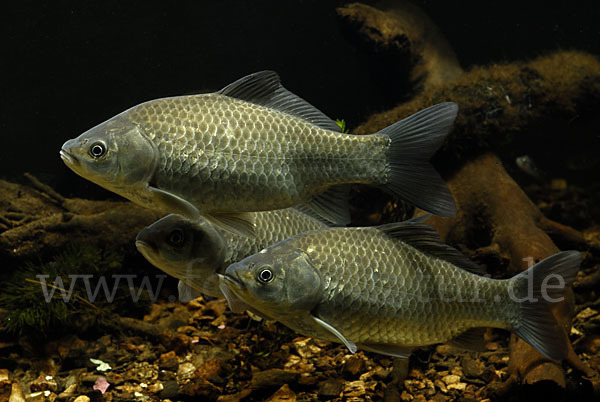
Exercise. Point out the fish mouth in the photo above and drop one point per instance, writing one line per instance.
(225, 278)
(236, 304)
(146, 249)
(68, 158)
(141, 244)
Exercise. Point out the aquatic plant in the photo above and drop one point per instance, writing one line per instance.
(342, 124)
(44, 298)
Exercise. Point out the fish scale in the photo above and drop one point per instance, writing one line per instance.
(365, 309)
(239, 154)
(271, 227)
(392, 288)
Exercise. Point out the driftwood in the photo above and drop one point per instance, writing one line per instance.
(409, 33)
(502, 108)
(498, 222)
(513, 108)
(37, 219)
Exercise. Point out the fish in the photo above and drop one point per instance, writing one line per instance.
(195, 251)
(396, 287)
(528, 165)
(255, 146)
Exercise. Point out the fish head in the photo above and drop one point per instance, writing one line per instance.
(115, 154)
(189, 250)
(279, 280)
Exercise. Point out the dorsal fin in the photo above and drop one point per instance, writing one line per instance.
(424, 238)
(264, 88)
(307, 211)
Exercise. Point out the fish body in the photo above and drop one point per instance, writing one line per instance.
(527, 165)
(254, 146)
(195, 251)
(392, 289)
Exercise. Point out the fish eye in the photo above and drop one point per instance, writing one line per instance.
(97, 150)
(176, 237)
(265, 275)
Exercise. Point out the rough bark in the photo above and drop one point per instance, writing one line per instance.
(406, 30)
(36, 219)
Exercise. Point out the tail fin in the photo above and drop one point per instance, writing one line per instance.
(536, 289)
(414, 141)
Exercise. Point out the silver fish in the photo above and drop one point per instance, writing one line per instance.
(394, 288)
(255, 146)
(527, 165)
(195, 251)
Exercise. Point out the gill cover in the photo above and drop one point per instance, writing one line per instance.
(114, 154)
(193, 251)
(279, 278)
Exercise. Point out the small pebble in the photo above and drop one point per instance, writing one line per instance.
(185, 370)
(43, 383)
(283, 394)
(451, 379)
(16, 393)
(353, 366)
(441, 386)
(420, 398)
(586, 313)
(273, 378)
(69, 391)
(168, 361)
(170, 390)
(354, 388)
(155, 388)
(458, 385)
(331, 388)
(471, 367)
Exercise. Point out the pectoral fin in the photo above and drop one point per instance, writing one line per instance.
(350, 345)
(186, 292)
(241, 224)
(174, 203)
(235, 303)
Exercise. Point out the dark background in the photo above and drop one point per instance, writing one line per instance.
(69, 65)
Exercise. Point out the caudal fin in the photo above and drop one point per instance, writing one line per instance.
(536, 290)
(414, 141)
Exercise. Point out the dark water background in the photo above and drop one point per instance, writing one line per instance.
(69, 65)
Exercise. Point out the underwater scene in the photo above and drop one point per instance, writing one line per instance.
(302, 200)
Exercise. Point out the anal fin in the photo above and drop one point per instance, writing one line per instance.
(401, 352)
(186, 292)
(472, 339)
(331, 205)
(236, 304)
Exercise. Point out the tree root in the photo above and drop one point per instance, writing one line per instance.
(497, 218)
(513, 108)
(35, 220)
(406, 31)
